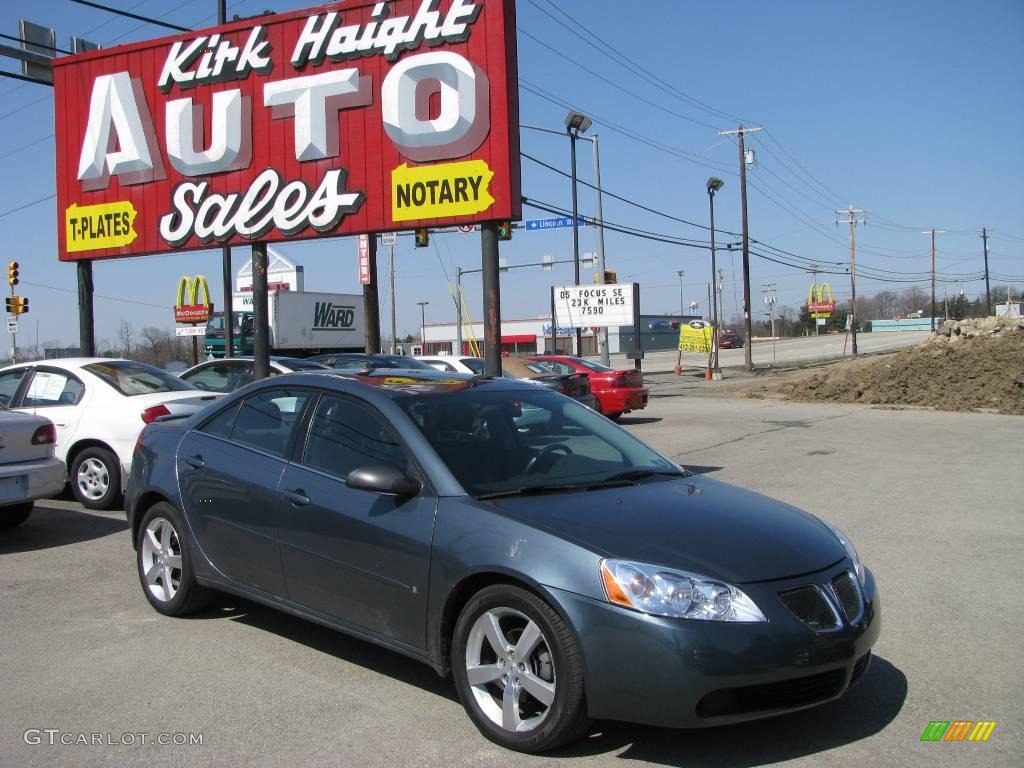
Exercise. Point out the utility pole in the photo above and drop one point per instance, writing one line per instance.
(814, 295)
(852, 219)
(768, 296)
(933, 231)
(458, 310)
(681, 272)
(423, 326)
(988, 296)
(603, 333)
(394, 338)
(740, 131)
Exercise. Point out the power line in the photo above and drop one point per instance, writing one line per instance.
(27, 205)
(26, 146)
(129, 15)
(24, 107)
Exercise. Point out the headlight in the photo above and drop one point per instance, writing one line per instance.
(664, 592)
(858, 566)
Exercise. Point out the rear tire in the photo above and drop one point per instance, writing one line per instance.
(15, 514)
(163, 554)
(614, 416)
(96, 478)
(526, 691)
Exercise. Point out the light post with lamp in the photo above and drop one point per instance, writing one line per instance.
(423, 327)
(713, 185)
(575, 124)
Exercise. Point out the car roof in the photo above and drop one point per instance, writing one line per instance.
(399, 383)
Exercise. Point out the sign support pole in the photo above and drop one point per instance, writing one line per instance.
(371, 300)
(554, 324)
(86, 328)
(261, 345)
(638, 341)
(492, 297)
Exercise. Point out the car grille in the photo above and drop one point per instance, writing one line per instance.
(788, 694)
(810, 605)
(845, 587)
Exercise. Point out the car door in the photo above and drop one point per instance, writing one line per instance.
(59, 396)
(229, 471)
(355, 555)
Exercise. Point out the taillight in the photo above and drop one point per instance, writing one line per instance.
(45, 435)
(154, 412)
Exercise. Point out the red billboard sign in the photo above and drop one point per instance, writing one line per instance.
(343, 119)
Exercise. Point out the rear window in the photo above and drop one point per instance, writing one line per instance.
(475, 364)
(304, 365)
(131, 378)
(591, 365)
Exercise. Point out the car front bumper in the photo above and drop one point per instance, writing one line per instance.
(31, 480)
(681, 673)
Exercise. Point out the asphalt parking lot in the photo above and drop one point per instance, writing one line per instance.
(933, 502)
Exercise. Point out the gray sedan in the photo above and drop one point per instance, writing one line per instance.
(557, 568)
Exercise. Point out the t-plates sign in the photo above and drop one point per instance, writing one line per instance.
(594, 306)
(337, 120)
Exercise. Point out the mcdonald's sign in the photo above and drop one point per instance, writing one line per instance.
(817, 304)
(188, 308)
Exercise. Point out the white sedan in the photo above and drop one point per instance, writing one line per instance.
(454, 363)
(28, 468)
(98, 406)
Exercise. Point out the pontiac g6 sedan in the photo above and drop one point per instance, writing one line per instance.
(558, 568)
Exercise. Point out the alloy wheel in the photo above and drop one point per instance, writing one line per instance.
(161, 559)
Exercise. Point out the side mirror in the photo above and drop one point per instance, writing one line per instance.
(383, 478)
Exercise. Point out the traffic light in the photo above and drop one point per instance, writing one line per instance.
(24, 305)
(422, 237)
(12, 273)
(17, 305)
(504, 230)
(10, 305)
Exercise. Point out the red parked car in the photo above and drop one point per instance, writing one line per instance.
(618, 391)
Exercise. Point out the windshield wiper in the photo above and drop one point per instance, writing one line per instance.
(531, 490)
(631, 476)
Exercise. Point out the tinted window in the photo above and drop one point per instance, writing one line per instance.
(130, 378)
(266, 420)
(9, 381)
(218, 377)
(475, 364)
(559, 367)
(52, 388)
(345, 435)
(220, 425)
(303, 365)
(440, 365)
(591, 365)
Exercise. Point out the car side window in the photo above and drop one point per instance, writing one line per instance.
(52, 388)
(266, 420)
(220, 425)
(9, 382)
(345, 435)
(219, 377)
(560, 367)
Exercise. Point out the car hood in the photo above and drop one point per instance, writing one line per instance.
(694, 524)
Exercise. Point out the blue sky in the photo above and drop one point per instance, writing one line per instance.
(911, 110)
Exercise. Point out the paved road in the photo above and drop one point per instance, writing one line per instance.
(787, 351)
(929, 499)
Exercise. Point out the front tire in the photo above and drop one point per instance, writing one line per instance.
(96, 478)
(164, 557)
(518, 670)
(15, 514)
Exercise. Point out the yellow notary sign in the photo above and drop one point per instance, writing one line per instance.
(441, 190)
(695, 336)
(92, 227)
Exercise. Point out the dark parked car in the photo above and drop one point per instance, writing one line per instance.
(230, 373)
(355, 361)
(559, 569)
(542, 373)
(730, 340)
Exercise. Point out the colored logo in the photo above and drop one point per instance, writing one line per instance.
(93, 227)
(817, 304)
(193, 304)
(958, 730)
(436, 191)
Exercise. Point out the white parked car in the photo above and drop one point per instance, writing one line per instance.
(98, 406)
(454, 363)
(28, 468)
(228, 374)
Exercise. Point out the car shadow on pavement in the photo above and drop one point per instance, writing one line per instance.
(865, 710)
(325, 640)
(624, 421)
(50, 527)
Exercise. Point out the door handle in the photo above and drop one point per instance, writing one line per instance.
(297, 497)
(195, 461)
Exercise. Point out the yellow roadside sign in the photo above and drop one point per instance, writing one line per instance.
(441, 190)
(695, 336)
(92, 227)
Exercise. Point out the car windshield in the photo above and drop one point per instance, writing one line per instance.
(530, 441)
(590, 365)
(131, 378)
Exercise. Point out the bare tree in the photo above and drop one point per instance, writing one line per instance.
(913, 299)
(159, 341)
(125, 334)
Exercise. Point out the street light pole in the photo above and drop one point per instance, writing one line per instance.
(423, 326)
(576, 123)
(458, 310)
(681, 272)
(713, 185)
(603, 333)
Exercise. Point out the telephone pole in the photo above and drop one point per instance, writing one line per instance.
(852, 219)
(933, 231)
(814, 295)
(988, 296)
(740, 131)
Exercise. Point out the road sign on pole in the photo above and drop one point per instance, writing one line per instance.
(12, 323)
(190, 330)
(389, 238)
(556, 223)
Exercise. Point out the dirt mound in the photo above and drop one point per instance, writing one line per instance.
(953, 373)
